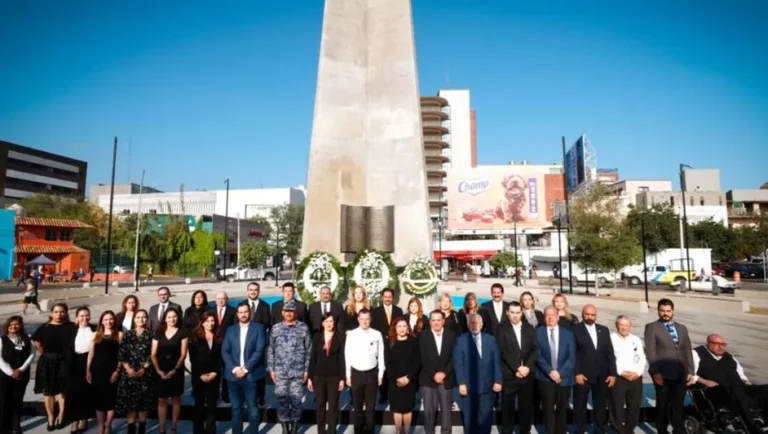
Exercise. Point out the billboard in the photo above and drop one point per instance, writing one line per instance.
(575, 169)
(496, 198)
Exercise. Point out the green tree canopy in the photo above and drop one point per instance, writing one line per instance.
(662, 227)
(504, 260)
(253, 254)
(287, 223)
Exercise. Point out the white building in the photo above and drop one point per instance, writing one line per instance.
(462, 128)
(246, 203)
(627, 190)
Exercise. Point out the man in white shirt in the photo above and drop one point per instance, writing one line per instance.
(496, 308)
(364, 356)
(726, 383)
(628, 389)
(157, 312)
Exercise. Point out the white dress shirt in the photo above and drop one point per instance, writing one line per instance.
(697, 360)
(592, 330)
(243, 336)
(629, 352)
(557, 338)
(364, 350)
(438, 340)
(413, 320)
(479, 343)
(254, 305)
(325, 307)
(6, 368)
(161, 308)
(83, 340)
(498, 309)
(128, 320)
(518, 329)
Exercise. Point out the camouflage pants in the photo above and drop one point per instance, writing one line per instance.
(290, 394)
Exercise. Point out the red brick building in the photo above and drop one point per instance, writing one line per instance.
(54, 238)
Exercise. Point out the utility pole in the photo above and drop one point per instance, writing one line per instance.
(685, 225)
(568, 221)
(645, 257)
(226, 233)
(109, 224)
(136, 274)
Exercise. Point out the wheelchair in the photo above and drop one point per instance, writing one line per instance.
(706, 416)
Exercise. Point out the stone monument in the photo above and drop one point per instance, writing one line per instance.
(366, 186)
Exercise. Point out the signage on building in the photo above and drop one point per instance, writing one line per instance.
(496, 198)
(255, 234)
(575, 169)
(700, 213)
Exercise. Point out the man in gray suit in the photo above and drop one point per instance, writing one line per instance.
(668, 348)
(157, 311)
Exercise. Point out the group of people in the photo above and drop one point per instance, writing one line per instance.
(506, 355)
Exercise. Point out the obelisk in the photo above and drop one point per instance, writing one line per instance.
(366, 147)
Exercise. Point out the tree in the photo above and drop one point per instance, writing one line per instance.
(713, 235)
(662, 227)
(600, 239)
(503, 260)
(287, 223)
(253, 254)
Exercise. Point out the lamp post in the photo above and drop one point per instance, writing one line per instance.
(645, 258)
(560, 253)
(226, 232)
(109, 224)
(440, 235)
(136, 274)
(568, 221)
(516, 265)
(685, 224)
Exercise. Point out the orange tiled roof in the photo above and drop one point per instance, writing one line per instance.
(53, 223)
(44, 250)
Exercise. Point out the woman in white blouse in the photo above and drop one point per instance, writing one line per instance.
(627, 393)
(79, 408)
(16, 354)
(125, 318)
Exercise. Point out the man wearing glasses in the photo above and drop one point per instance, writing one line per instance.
(726, 383)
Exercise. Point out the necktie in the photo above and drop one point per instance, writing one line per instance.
(552, 350)
(389, 315)
(162, 311)
(672, 332)
(253, 309)
(479, 344)
(221, 315)
(325, 308)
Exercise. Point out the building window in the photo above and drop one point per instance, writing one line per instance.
(701, 201)
(643, 189)
(672, 200)
(125, 211)
(51, 235)
(720, 200)
(153, 211)
(692, 199)
(65, 235)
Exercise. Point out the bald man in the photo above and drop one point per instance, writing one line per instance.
(595, 370)
(726, 383)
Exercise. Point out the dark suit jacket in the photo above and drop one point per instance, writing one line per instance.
(154, 322)
(464, 325)
(229, 318)
(539, 317)
(316, 315)
(596, 364)
(566, 356)
(432, 363)
(425, 322)
(203, 359)
(255, 349)
(673, 362)
(379, 318)
(479, 374)
(277, 312)
(262, 314)
(515, 354)
(494, 323)
(119, 322)
(331, 365)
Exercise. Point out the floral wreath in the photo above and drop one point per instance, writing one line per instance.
(372, 270)
(419, 278)
(317, 270)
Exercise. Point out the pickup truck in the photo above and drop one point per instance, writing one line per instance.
(657, 274)
(244, 273)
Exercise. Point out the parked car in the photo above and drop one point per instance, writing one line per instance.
(244, 273)
(713, 284)
(116, 269)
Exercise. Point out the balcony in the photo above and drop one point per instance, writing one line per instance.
(435, 110)
(434, 140)
(434, 126)
(741, 213)
(435, 156)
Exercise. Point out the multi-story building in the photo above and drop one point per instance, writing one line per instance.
(747, 206)
(435, 120)
(627, 190)
(463, 142)
(25, 172)
(98, 190)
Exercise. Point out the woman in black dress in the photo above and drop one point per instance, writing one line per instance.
(207, 364)
(403, 362)
(417, 321)
(198, 306)
(54, 340)
(169, 349)
(567, 319)
(326, 373)
(472, 306)
(16, 355)
(134, 392)
(80, 406)
(531, 315)
(104, 370)
(126, 316)
(445, 304)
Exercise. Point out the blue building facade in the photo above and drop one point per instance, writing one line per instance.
(7, 243)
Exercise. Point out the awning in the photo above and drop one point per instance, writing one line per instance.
(555, 259)
(465, 254)
(48, 249)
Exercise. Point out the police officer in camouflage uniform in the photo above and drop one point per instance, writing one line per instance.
(288, 363)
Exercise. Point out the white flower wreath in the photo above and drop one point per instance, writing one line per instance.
(372, 273)
(318, 273)
(419, 278)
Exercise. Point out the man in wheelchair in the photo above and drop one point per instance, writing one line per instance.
(722, 381)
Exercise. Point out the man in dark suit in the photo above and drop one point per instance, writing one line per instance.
(595, 370)
(383, 315)
(519, 348)
(225, 315)
(244, 366)
(496, 308)
(259, 314)
(437, 376)
(157, 311)
(478, 374)
(323, 306)
(554, 370)
(670, 360)
(289, 292)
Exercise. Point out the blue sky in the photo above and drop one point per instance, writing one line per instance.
(201, 91)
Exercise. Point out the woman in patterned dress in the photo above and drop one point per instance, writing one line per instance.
(134, 392)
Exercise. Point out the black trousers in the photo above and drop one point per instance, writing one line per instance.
(261, 390)
(554, 404)
(626, 398)
(523, 394)
(327, 392)
(435, 398)
(384, 388)
(206, 401)
(364, 394)
(11, 400)
(741, 399)
(581, 393)
(670, 398)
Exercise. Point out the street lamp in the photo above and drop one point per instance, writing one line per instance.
(226, 233)
(685, 223)
(515, 229)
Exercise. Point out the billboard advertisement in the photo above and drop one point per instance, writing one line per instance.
(496, 198)
(575, 169)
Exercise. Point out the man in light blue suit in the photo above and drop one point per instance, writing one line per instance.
(477, 365)
(243, 353)
(554, 370)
